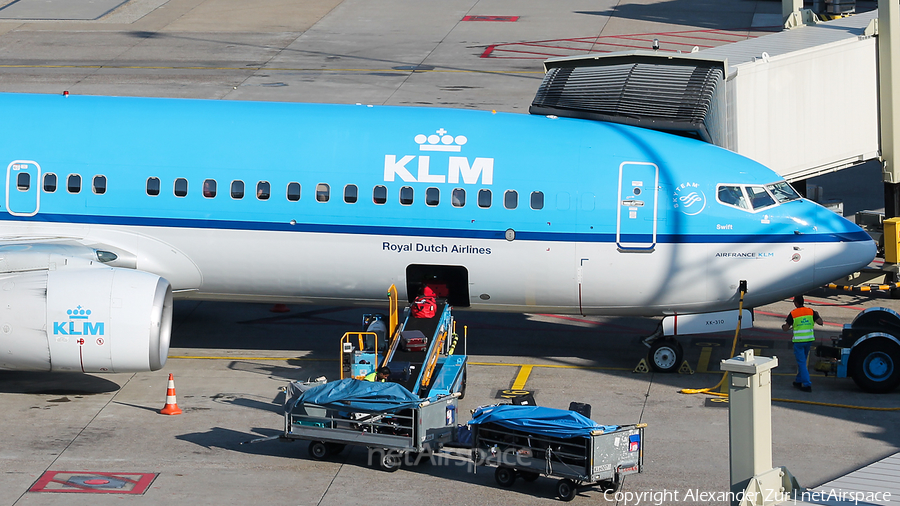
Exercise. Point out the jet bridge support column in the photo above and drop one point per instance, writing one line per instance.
(889, 100)
(793, 14)
(753, 479)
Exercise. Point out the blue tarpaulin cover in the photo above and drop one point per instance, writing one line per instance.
(539, 420)
(355, 395)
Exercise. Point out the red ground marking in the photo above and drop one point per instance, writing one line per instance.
(93, 482)
(779, 315)
(506, 19)
(669, 41)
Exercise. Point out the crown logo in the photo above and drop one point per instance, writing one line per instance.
(440, 141)
(78, 313)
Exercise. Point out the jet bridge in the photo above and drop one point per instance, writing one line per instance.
(802, 102)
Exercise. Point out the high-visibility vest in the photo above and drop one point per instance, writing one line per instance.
(373, 376)
(803, 324)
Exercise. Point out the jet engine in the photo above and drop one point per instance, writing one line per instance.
(84, 319)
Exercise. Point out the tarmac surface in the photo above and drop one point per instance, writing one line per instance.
(230, 359)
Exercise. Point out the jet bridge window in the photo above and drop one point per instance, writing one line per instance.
(181, 187)
(732, 196)
(49, 182)
(484, 198)
(759, 197)
(351, 194)
(458, 197)
(209, 188)
(99, 185)
(23, 181)
(237, 189)
(153, 186)
(323, 192)
(406, 196)
(379, 194)
(432, 196)
(263, 190)
(293, 192)
(511, 199)
(537, 200)
(73, 183)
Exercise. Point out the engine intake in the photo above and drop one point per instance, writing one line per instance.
(94, 319)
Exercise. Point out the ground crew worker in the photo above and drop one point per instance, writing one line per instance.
(381, 374)
(801, 320)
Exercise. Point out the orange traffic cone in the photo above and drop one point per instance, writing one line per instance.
(171, 407)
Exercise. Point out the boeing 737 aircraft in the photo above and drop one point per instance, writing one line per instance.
(112, 205)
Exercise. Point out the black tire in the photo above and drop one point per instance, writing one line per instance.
(875, 365)
(335, 448)
(317, 450)
(613, 485)
(528, 475)
(566, 489)
(876, 318)
(665, 355)
(505, 476)
(389, 461)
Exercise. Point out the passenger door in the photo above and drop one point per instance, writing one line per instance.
(22, 188)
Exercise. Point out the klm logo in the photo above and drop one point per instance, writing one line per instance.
(458, 167)
(78, 324)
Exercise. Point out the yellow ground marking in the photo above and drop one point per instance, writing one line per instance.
(502, 364)
(256, 68)
(522, 377)
(192, 357)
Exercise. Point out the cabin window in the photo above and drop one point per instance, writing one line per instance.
(458, 197)
(537, 200)
(263, 190)
(587, 201)
(209, 188)
(237, 189)
(23, 181)
(351, 194)
(484, 198)
(50, 182)
(181, 187)
(511, 199)
(323, 192)
(293, 192)
(153, 186)
(732, 196)
(379, 194)
(406, 195)
(73, 183)
(99, 185)
(432, 196)
(759, 197)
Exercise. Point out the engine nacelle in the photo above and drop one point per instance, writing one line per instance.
(92, 319)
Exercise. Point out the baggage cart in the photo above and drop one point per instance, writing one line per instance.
(600, 457)
(393, 430)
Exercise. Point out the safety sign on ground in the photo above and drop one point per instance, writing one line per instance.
(93, 482)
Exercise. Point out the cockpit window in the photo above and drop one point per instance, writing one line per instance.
(759, 197)
(732, 196)
(782, 191)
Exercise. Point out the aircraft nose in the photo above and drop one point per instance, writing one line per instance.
(844, 248)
